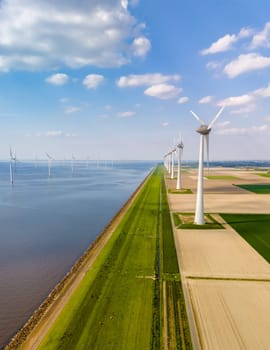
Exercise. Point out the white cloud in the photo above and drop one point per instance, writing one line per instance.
(127, 114)
(244, 131)
(246, 63)
(206, 100)
(248, 99)
(92, 81)
(213, 65)
(57, 79)
(244, 110)
(223, 125)
(237, 100)
(183, 99)
(72, 109)
(163, 91)
(262, 38)
(124, 4)
(263, 92)
(134, 80)
(55, 133)
(165, 124)
(223, 44)
(141, 46)
(226, 42)
(47, 34)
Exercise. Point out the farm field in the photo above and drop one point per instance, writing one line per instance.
(254, 228)
(226, 272)
(221, 177)
(131, 297)
(232, 314)
(264, 175)
(256, 188)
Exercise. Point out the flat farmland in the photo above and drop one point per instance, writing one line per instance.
(231, 315)
(219, 253)
(254, 228)
(226, 273)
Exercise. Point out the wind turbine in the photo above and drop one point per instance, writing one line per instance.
(11, 169)
(72, 162)
(204, 131)
(180, 147)
(172, 162)
(50, 159)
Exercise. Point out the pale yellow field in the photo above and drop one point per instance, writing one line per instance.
(231, 315)
(223, 253)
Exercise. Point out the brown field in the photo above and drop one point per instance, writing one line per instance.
(231, 314)
(226, 282)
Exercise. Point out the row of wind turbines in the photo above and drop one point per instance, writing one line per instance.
(13, 159)
(204, 131)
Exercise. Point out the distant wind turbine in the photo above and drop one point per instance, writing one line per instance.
(50, 159)
(172, 162)
(72, 162)
(12, 161)
(204, 131)
(180, 147)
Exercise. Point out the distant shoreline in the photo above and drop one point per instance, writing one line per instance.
(46, 309)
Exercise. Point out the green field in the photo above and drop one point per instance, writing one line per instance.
(254, 228)
(182, 191)
(221, 177)
(119, 303)
(256, 188)
(264, 175)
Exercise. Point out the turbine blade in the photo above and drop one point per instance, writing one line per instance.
(207, 149)
(216, 117)
(10, 152)
(197, 117)
(49, 157)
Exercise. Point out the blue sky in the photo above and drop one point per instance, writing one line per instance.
(116, 79)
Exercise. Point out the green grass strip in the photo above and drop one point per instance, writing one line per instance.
(182, 191)
(221, 177)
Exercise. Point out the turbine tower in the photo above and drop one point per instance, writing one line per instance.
(172, 162)
(204, 131)
(50, 159)
(180, 147)
(72, 163)
(11, 168)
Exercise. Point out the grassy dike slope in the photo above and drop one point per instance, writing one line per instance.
(131, 298)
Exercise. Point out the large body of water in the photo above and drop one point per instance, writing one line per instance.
(46, 224)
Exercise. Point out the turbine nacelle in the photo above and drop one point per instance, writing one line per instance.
(204, 130)
(180, 145)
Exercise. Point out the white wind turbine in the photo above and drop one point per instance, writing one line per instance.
(180, 147)
(50, 159)
(204, 131)
(72, 162)
(172, 162)
(11, 168)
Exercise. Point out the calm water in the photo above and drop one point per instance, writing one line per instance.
(46, 224)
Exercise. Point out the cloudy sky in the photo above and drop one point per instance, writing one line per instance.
(116, 79)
